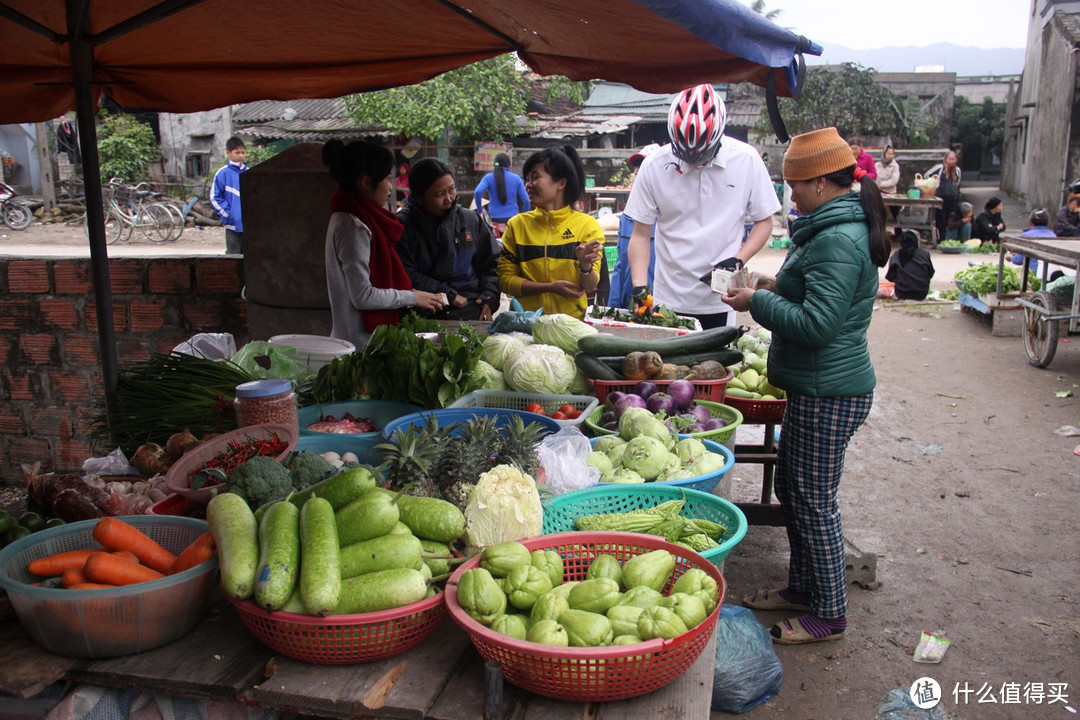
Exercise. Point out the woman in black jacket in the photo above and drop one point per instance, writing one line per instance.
(446, 248)
(989, 224)
(910, 268)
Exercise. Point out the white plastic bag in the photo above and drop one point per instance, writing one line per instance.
(212, 346)
(115, 463)
(562, 462)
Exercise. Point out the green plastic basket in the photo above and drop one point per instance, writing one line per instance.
(732, 416)
(561, 511)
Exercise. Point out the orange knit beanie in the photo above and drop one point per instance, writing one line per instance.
(816, 154)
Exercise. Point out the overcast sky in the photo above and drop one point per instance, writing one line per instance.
(974, 23)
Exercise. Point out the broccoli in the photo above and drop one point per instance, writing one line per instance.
(308, 469)
(259, 480)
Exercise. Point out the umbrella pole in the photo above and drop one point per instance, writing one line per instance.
(82, 70)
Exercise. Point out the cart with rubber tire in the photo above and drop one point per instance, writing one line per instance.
(1044, 315)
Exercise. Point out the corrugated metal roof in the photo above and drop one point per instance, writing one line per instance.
(312, 130)
(554, 127)
(268, 110)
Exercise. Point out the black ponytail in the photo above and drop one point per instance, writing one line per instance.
(561, 163)
(873, 206)
(502, 161)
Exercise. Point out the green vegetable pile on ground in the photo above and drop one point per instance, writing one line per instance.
(982, 279)
(664, 520)
(525, 596)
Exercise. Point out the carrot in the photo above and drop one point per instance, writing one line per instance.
(55, 565)
(103, 568)
(198, 552)
(127, 555)
(73, 576)
(118, 535)
(91, 586)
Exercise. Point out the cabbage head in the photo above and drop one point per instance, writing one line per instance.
(498, 349)
(646, 456)
(504, 506)
(562, 331)
(540, 369)
(489, 377)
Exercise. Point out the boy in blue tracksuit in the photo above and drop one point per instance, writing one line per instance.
(226, 195)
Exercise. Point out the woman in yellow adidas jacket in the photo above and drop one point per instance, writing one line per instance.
(551, 255)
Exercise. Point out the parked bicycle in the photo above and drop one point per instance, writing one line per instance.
(131, 207)
(13, 213)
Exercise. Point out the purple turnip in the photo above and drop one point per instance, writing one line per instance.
(660, 402)
(628, 401)
(701, 413)
(683, 393)
(645, 389)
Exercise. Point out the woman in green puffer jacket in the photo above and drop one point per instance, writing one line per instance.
(818, 313)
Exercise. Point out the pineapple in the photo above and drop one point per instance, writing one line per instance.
(459, 494)
(467, 455)
(411, 457)
(519, 448)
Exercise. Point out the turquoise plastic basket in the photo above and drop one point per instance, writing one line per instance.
(704, 483)
(562, 511)
(449, 416)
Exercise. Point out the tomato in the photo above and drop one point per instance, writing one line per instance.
(573, 415)
(558, 415)
(567, 410)
(535, 408)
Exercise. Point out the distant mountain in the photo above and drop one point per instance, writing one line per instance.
(957, 59)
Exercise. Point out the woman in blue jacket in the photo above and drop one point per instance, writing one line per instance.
(506, 193)
(819, 311)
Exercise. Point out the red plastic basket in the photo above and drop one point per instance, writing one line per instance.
(343, 639)
(592, 674)
(758, 411)
(712, 390)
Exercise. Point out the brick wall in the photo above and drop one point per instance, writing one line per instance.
(49, 342)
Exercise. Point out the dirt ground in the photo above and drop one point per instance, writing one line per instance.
(957, 481)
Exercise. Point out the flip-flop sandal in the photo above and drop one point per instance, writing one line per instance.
(772, 600)
(791, 632)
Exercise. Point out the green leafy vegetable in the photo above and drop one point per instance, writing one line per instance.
(982, 279)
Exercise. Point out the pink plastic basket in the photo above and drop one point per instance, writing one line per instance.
(712, 390)
(343, 639)
(592, 674)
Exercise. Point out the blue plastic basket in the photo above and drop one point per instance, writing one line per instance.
(380, 412)
(362, 445)
(561, 512)
(449, 416)
(704, 483)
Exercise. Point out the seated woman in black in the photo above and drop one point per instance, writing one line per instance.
(910, 268)
(446, 248)
(989, 224)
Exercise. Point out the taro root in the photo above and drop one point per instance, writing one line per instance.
(151, 459)
(179, 443)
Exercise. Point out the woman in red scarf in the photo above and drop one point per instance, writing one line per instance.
(367, 283)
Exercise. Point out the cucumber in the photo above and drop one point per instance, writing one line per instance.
(368, 516)
(339, 490)
(437, 565)
(726, 357)
(400, 529)
(320, 568)
(279, 564)
(381, 590)
(381, 553)
(295, 604)
(237, 538)
(430, 518)
(602, 344)
(594, 369)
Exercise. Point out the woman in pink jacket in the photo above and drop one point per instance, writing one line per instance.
(863, 160)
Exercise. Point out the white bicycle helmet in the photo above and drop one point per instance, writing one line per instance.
(696, 122)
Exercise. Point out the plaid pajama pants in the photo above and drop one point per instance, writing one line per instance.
(815, 435)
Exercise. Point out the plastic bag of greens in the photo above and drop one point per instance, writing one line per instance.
(267, 360)
(747, 671)
(517, 319)
(898, 706)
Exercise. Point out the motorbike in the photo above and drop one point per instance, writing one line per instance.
(13, 213)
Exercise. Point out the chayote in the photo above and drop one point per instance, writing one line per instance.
(511, 624)
(605, 566)
(481, 596)
(524, 585)
(586, 629)
(689, 608)
(624, 619)
(500, 559)
(548, 632)
(641, 596)
(626, 640)
(659, 622)
(696, 581)
(548, 606)
(565, 588)
(651, 569)
(594, 596)
(551, 563)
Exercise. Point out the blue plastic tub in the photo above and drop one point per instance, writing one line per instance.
(704, 483)
(449, 416)
(380, 412)
(362, 445)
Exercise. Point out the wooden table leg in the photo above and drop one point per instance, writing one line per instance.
(764, 512)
